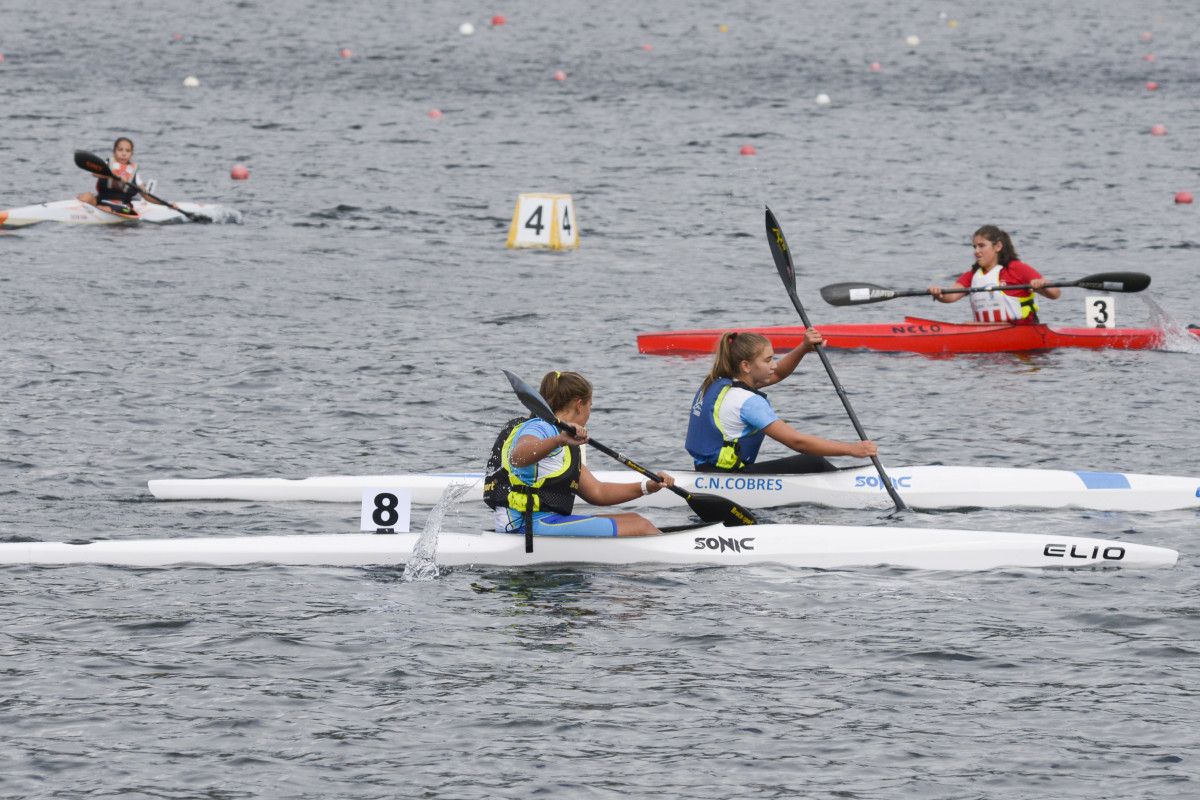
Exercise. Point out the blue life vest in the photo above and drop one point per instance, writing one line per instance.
(707, 443)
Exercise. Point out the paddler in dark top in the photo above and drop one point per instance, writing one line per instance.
(117, 195)
(997, 264)
(535, 472)
(731, 416)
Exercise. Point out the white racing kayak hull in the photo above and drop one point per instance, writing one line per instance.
(810, 546)
(932, 487)
(76, 212)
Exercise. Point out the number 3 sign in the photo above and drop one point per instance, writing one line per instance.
(1100, 311)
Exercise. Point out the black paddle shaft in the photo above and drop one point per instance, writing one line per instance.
(99, 167)
(709, 507)
(858, 294)
(787, 271)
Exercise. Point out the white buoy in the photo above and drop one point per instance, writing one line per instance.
(912, 41)
(822, 99)
(191, 81)
(466, 29)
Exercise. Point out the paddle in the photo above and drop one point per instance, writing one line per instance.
(709, 507)
(99, 167)
(858, 294)
(787, 272)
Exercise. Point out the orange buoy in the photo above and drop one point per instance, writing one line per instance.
(239, 172)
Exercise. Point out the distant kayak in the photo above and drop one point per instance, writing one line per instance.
(77, 212)
(918, 335)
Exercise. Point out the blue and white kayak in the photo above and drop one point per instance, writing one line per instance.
(930, 487)
(812, 546)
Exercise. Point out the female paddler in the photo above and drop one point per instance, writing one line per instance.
(731, 415)
(117, 196)
(997, 265)
(535, 471)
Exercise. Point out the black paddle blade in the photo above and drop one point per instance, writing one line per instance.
(855, 294)
(536, 404)
(1115, 282)
(711, 508)
(780, 251)
(92, 163)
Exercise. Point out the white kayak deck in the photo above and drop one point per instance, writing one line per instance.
(76, 212)
(809, 546)
(921, 487)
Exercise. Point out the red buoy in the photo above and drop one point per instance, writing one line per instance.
(559, 75)
(1183, 198)
(1151, 85)
(748, 150)
(498, 20)
(239, 172)
(1158, 130)
(345, 52)
(435, 113)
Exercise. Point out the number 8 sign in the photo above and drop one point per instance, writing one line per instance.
(385, 510)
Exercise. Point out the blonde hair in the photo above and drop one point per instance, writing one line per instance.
(560, 388)
(734, 348)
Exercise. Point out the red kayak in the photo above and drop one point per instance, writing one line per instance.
(917, 335)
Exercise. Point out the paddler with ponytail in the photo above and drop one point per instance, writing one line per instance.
(731, 416)
(997, 264)
(535, 472)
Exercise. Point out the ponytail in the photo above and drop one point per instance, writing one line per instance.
(559, 389)
(734, 348)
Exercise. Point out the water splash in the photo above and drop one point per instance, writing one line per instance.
(1177, 338)
(423, 566)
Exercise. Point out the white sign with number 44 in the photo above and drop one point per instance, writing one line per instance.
(385, 509)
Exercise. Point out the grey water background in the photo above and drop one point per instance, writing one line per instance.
(358, 319)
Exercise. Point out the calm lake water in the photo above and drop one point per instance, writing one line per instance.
(358, 319)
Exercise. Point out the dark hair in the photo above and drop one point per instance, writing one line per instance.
(560, 388)
(734, 348)
(122, 139)
(1008, 253)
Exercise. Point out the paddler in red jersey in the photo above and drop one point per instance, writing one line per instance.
(117, 195)
(997, 264)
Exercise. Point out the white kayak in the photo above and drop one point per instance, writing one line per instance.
(76, 212)
(813, 546)
(932, 487)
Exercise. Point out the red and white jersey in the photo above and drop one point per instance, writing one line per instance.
(1001, 305)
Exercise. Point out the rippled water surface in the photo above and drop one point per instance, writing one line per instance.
(356, 322)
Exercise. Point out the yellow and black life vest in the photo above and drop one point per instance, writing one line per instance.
(503, 489)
